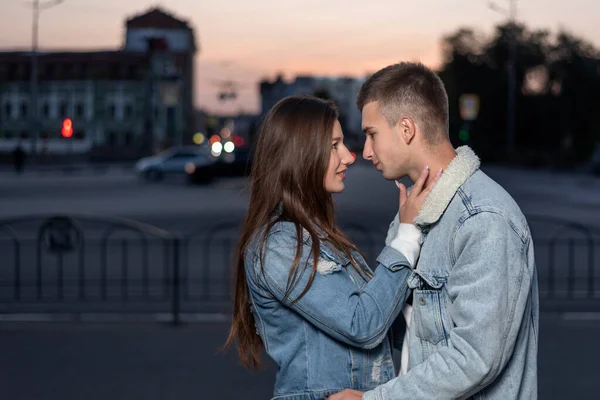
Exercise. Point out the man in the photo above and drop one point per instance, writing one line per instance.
(472, 328)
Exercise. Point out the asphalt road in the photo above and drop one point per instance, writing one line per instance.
(152, 360)
(126, 267)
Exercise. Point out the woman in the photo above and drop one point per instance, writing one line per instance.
(303, 291)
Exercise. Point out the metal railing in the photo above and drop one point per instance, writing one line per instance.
(568, 264)
(78, 262)
(90, 264)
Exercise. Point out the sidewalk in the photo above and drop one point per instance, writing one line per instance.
(74, 169)
(152, 361)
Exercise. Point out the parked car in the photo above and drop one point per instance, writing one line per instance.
(235, 164)
(173, 161)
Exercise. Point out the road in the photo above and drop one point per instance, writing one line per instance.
(367, 205)
(93, 361)
(151, 360)
(368, 199)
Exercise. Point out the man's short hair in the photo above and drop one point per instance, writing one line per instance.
(413, 90)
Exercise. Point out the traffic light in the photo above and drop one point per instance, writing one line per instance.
(464, 132)
(67, 128)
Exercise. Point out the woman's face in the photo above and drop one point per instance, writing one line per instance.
(339, 160)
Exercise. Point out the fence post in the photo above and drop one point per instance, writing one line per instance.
(176, 306)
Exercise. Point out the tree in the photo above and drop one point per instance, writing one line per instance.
(558, 78)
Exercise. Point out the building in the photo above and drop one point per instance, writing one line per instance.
(342, 90)
(123, 102)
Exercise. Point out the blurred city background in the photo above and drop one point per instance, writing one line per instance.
(126, 131)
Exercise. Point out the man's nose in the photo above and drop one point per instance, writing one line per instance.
(367, 151)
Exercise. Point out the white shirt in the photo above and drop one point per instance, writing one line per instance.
(408, 242)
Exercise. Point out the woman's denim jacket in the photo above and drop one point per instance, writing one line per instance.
(337, 335)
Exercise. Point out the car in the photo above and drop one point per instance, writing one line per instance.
(173, 161)
(235, 164)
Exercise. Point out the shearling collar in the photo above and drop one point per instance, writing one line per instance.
(458, 171)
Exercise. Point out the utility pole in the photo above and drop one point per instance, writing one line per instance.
(33, 102)
(512, 80)
(511, 14)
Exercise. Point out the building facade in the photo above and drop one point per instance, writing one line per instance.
(342, 90)
(123, 102)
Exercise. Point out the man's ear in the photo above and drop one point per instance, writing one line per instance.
(407, 129)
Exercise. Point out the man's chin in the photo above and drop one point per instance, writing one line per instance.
(392, 177)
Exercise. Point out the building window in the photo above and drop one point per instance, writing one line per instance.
(115, 70)
(76, 72)
(46, 110)
(112, 139)
(12, 72)
(84, 71)
(64, 109)
(24, 110)
(49, 71)
(24, 135)
(128, 111)
(79, 110)
(80, 134)
(21, 72)
(8, 135)
(128, 138)
(112, 111)
(8, 110)
(67, 71)
(132, 72)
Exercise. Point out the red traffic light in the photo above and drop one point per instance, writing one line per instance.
(238, 141)
(67, 128)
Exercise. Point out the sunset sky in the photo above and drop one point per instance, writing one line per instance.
(247, 40)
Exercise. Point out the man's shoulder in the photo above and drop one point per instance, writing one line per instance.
(480, 192)
(481, 195)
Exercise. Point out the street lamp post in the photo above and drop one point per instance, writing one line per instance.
(511, 14)
(37, 8)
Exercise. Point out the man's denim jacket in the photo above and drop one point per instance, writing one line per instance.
(474, 326)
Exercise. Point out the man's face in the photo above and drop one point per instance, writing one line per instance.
(383, 144)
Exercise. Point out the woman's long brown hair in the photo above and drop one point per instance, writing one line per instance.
(289, 165)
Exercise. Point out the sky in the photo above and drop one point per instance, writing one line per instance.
(249, 40)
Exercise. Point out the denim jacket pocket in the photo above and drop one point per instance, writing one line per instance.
(428, 315)
(427, 306)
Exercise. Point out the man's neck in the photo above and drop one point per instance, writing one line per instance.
(438, 159)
